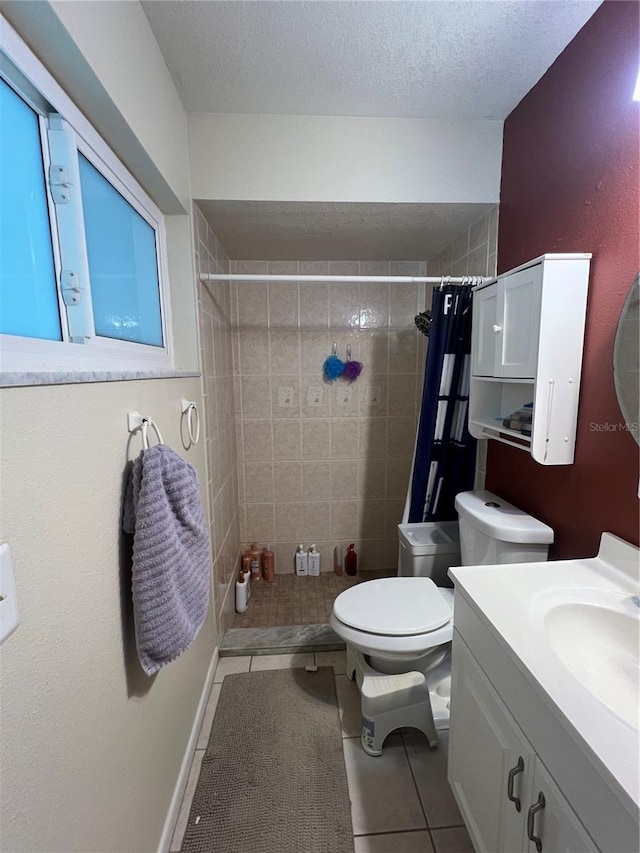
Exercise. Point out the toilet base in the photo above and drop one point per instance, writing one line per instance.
(407, 700)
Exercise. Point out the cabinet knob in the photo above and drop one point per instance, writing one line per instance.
(511, 779)
(536, 807)
(496, 328)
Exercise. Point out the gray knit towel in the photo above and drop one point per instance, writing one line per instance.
(171, 558)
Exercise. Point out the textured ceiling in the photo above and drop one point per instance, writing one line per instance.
(265, 230)
(420, 59)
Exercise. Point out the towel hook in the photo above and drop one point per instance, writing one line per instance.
(146, 423)
(136, 421)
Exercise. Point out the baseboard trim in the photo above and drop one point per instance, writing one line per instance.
(183, 775)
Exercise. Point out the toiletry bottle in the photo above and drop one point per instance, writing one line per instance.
(268, 565)
(351, 560)
(302, 562)
(254, 554)
(242, 585)
(337, 560)
(246, 571)
(313, 558)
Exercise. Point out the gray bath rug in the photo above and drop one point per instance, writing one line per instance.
(273, 778)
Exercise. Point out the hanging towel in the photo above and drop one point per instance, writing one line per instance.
(171, 558)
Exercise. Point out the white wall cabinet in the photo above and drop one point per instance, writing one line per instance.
(509, 801)
(508, 325)
(527, 338)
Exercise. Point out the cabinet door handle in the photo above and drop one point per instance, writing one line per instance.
(511, 779)
(496, 328)
(536, 807)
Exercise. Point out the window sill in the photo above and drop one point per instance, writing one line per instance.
(72, 377)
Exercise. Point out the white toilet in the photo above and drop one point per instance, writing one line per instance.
(398, 630)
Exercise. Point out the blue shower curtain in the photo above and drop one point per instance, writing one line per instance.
(445, 451)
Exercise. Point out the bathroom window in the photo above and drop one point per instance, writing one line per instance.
(82, 247)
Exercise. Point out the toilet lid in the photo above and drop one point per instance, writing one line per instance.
(395, 607)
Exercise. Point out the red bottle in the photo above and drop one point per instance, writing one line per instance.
(351, 560)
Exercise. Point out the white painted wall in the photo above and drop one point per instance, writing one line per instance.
(91, 749)
(337, 158)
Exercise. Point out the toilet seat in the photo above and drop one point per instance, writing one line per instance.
(400, 645)
(394, 607)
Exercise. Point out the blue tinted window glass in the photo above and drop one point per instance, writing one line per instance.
(28, 295)
(123, 268)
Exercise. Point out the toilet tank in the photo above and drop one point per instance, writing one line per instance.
(493, 531)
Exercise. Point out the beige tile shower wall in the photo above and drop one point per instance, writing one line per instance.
(319, 462)
(472, 252)
(218, 428)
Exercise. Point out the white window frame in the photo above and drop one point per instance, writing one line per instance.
(23, 71)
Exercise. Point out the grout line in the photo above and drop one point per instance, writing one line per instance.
(415, 784)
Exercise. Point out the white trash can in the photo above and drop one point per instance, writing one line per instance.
(428, 550)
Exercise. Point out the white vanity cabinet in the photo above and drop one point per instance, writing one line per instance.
(554, 823)
(526, 350)
(509, 801)
(490, 760)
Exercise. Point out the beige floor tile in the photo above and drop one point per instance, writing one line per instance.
(454, 840)
(394, 842)
(262, 662)
(349, 706)
(185, 808)
(230, 666)
(338, 660)
(209, 714)
(430, 772)
(382, 792)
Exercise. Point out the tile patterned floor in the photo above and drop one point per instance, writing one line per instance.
(400, 802)
(292, 600)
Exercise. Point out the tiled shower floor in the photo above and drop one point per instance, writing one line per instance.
(290, 615)
(293, 600)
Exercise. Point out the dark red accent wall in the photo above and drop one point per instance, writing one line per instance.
(570, 183)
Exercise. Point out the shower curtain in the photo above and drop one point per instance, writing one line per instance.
(445, 451)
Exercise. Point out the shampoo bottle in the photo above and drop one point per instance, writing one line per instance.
(268, 565)
(337, 560)
(254, 554)
(314, 562)
(351, 560)
(242, 587)
(246, 571)
(302, 563)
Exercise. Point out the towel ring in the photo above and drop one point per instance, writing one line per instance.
(190, 410)
(146, 422)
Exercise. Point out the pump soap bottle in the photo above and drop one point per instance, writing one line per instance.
(314, 562)
(302, 563)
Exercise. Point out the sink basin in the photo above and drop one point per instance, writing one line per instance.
(597, 638)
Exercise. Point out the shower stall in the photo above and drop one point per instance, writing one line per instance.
(293, 457)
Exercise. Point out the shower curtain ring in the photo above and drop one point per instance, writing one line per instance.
(441, 283)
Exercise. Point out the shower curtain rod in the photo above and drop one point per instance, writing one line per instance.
(473, 280)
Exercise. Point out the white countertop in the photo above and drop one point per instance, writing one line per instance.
(512, 599)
